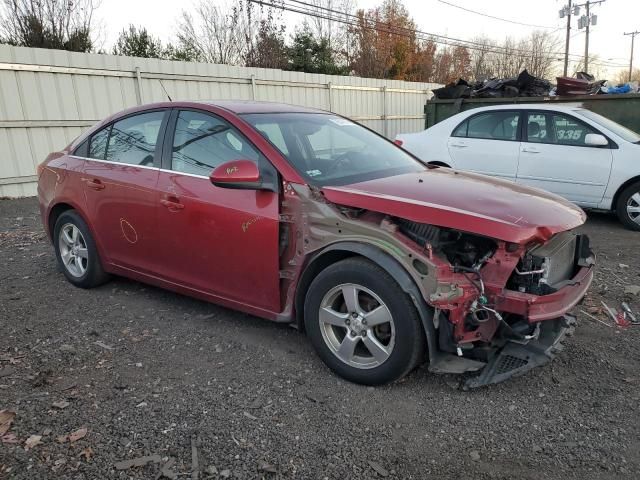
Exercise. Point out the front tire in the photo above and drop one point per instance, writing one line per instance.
(362, 324)
(628, 207)
(76, 251)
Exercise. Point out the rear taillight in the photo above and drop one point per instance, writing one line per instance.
(398, 142)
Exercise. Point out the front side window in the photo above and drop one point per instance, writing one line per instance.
(202, 142)
(133, 140)
(330, 150)
(497, 125)
(570, 131)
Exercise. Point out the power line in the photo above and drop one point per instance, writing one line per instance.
(494, 17)
(318, 11)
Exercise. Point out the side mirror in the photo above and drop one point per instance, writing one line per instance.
(595, 140)
(240, 174)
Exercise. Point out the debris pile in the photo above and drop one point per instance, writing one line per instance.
(527, 85)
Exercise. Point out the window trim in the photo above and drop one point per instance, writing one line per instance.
(550, 113)
(485, 112)
(157, 151)
(266, 168)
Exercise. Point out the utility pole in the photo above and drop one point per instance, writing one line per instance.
(633, 38)
(585, 22)
(566, 11)
(586, 40)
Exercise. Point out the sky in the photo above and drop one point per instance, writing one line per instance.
(434, 16)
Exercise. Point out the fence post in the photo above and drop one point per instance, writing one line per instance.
(385, 125)
(139, 96)
(253, 87)
(330, 87)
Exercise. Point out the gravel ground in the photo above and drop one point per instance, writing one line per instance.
(136, 371)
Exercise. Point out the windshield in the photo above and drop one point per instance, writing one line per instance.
(330, 150)
(622, 132)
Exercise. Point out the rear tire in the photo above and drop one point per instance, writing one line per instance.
(76, 251)
(628, 207)
(362, 324)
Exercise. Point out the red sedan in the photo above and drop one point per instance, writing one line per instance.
(304, 217)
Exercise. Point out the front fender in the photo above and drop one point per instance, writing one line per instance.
(340, 250)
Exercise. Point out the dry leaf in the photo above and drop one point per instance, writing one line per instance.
(62, 438)
(9, 438)
(87, 453)
(6, 419)
(77, 435)
(32, 441)
(61, 404)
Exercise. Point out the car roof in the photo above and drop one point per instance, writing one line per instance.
(237, 106)
(551, 105)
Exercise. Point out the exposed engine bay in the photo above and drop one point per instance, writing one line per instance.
(476, 327)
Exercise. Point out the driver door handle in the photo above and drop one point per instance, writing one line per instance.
(172, 203)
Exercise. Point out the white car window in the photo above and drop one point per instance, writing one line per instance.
(537, 129)
(570, 131)
(500, 125)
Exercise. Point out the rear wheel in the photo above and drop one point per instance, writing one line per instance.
(361, 323)
(628, 207)
(76, 251)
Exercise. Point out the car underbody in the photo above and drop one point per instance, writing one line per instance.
(489, 306)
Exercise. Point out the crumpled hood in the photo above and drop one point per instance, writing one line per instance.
(464, 201)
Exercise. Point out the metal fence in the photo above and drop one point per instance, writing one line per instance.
(48, 97)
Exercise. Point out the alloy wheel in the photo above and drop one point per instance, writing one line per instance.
(73, 250)
(633, 207)
(357, 326)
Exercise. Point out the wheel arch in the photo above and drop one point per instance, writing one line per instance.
(64, 206)
(621, 188)
(342, 250)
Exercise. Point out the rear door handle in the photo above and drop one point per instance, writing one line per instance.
(95, 184)
(459, 145)
(530, 150)
(172, 203)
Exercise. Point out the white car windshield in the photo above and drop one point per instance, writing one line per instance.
(330, 150)
(622, 132)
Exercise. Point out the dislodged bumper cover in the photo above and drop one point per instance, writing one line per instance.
(537, 308)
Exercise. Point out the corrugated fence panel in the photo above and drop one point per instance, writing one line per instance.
(48, 97)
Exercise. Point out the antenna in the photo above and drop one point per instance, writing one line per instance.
(165, 90)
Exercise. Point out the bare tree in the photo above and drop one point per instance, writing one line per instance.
(59, 24)
(483, 58)
(335, 33)
(541, 47)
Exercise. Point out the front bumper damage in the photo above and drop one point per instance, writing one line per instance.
(550, 315)
(515, 359)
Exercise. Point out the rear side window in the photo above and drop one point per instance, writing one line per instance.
(490, 126)
(538, 130)
(133, 140)
(98, 144)
(203, 141)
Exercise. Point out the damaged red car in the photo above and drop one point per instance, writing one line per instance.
(304, 217)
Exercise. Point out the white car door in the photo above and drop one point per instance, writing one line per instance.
(554, 157)
(487, 143)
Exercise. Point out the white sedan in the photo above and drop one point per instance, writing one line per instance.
(580, 155)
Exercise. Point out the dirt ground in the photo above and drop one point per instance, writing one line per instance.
(124, 371)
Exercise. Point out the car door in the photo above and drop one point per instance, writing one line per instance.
(554, 157)
(487, 143)
(120, 178)
(220, 241)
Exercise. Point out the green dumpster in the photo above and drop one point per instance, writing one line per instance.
(623, 109)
